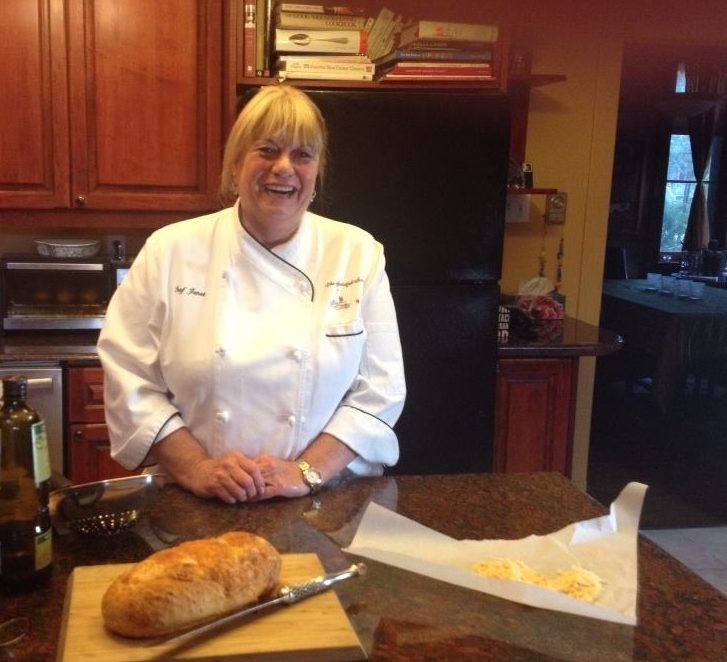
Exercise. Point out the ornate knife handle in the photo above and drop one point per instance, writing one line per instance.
(296, 592)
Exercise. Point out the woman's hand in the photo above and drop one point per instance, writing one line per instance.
(232, 477)
(282, 477)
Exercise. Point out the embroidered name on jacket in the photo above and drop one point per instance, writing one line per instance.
(188, 291)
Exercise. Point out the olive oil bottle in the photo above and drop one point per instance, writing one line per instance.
(26, 545)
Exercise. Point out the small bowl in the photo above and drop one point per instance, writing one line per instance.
(104, 507)
(68, 247)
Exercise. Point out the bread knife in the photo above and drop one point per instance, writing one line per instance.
(287, 595)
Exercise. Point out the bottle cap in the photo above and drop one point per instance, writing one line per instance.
(15, 386)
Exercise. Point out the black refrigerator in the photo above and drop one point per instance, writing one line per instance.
(426, 173)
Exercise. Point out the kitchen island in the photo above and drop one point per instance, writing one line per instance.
(403, 616)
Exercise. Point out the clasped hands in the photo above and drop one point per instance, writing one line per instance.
(234, 477)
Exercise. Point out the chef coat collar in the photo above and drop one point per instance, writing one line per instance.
(290, 251)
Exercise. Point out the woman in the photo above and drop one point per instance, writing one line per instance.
(254, 352)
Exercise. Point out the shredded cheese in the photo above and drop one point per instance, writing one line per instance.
(577, 582)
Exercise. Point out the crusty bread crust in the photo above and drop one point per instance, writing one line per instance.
(189, 584)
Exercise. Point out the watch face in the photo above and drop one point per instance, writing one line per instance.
(312, 477)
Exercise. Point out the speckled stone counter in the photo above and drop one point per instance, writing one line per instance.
(402, 616)
(575, 339)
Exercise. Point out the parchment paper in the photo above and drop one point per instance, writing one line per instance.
(606, 545)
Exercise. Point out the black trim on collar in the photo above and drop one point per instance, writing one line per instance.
(284, 261)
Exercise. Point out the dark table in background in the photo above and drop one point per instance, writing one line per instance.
(402, 616)
(679, 334)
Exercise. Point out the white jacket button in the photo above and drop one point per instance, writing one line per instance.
(298, 355)
(291, 420)
(222, 416)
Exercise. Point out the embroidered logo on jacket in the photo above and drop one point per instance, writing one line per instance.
(338, 302)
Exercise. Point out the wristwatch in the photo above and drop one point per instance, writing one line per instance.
(311, 477)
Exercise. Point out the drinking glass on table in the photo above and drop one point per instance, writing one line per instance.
(696, 290)
(667, 285)
(683, 288)
(653, 281)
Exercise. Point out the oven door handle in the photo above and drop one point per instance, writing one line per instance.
(37, 383)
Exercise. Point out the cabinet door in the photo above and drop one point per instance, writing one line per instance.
(90, 454)
(146, 103)
(85, 395)
(34, 166)
(534, 415)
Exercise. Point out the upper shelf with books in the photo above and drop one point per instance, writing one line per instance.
(358, 46)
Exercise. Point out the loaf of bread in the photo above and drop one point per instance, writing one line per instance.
(187, 585)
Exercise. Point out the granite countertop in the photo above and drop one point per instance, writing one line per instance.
(402, 616)
(575, 339)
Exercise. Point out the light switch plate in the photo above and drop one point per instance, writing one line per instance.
(517, 208)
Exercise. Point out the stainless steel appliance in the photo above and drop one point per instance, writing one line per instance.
(45, 395)
(41, 293)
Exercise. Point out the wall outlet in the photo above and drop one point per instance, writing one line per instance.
(116, 246)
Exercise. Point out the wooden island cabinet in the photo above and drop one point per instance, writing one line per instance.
(535, 401)
(534, 413)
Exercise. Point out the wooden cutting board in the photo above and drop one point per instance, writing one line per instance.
(316, 628)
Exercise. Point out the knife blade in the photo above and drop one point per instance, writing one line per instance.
(287, 595)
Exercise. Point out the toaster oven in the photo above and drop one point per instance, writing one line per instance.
(46, 293)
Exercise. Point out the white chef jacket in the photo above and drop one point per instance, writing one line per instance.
(256, 350)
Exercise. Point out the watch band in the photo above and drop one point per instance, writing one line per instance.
(311, 476)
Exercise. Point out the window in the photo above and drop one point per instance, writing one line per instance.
(680, 186)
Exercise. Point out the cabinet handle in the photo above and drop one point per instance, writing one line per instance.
(78, 434)
(80, 200)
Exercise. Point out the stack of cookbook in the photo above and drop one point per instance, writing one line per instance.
(440, 51)
(322, 42)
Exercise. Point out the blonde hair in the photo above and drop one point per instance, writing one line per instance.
(279, 112)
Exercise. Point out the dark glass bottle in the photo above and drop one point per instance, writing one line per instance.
(26, 544)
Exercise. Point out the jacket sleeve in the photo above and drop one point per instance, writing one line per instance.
(136, 400)
(365, 418)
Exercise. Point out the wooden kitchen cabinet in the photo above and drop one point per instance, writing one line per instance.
(89, 456)
(111, 104)
(534, 414)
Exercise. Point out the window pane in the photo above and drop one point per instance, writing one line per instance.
(677, 200)
(680, 159)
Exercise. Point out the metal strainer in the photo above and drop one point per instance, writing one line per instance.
(106, 507)
(108, 524)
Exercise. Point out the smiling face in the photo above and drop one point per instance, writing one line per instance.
(276, 151)
(275, 180)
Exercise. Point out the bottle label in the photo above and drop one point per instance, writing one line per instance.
(44, 549)
(41, 459)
